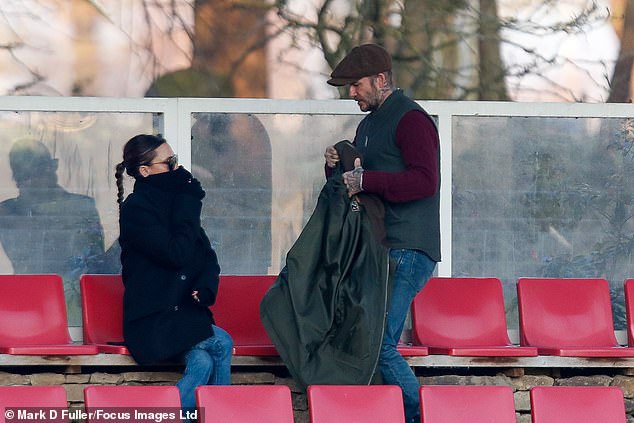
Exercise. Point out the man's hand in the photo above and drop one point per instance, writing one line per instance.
(354, 178)
(331, 156)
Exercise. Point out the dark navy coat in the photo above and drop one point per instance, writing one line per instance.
(165, 255)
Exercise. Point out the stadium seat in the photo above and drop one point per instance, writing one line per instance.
(467, 404)
(629, 310)
(355, 404)
(577, 404)
(237, 310)
(33, 317)
(34, 398)
(412, 350)
(463, 317)
(244, 404)
(568, 317)
(129, 398)
(102, 312)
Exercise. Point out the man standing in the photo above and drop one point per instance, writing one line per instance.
(399, 144)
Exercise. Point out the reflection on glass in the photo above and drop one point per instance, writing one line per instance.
(262, 175)
(547, 197)
(46, 229)
(58, 210)
(231, 156)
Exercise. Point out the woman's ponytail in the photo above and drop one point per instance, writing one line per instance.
(118, 174)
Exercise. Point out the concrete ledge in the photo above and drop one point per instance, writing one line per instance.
(444, 361)
(113, 360)
(539, 361)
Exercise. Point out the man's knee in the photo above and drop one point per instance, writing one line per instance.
(388, 353)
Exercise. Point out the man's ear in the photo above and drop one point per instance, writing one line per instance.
(380, 80)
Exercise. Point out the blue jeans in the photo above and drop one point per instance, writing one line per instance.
(413, 270)
(207, 363)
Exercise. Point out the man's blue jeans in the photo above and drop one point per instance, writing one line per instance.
(413, 270)
(207, 363)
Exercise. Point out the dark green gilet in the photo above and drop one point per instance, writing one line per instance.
(413, 224)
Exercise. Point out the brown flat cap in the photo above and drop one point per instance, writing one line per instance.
(363, 60)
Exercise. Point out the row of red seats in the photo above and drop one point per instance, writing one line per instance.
(557, 316)
(451, 316)
(326, 403)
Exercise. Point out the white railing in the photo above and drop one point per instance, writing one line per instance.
(176, 121)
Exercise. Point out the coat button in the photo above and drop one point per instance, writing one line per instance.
(183, 277)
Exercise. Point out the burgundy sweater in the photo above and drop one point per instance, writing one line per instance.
(418, 141)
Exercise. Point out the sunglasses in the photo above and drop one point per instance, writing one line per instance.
(171, 162)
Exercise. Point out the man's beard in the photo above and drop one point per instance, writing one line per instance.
(372, 103)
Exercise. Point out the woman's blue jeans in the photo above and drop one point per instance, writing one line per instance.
(207, 363)
(413, 270)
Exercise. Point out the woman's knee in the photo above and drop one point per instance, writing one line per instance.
(223, 338)
(198, 360)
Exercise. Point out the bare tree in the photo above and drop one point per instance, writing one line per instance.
(442, 49)
(621, 81)
(229, 39)
(50, 46)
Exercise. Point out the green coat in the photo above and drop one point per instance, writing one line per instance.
(326, 310)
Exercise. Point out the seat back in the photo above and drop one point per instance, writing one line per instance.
(460, 312)
(565, 312)
(577, 404)
(355, 404)
(467, 404)
(628, 288)
(244, 404)
(35, 397)
(32, 310)
(237, 309)
(128, 398)
(102, 308)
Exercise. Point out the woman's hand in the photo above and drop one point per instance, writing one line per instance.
(192, 187)
(202, 297)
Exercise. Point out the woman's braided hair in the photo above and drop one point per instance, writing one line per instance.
(138, 151)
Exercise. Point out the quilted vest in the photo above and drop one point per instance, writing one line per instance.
(413, 224)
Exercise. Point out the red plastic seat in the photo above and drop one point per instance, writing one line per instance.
(577, 404)
(568, 317)
(127, 399)
(245, 404)
(45, 398)
(355, 404)
(467, 404)
(33, 317)
(102, 312)
(463, 317)
(237, 310)
(412, 350)
(629, 310)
